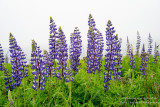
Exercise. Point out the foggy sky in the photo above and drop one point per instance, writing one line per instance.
(29, 19)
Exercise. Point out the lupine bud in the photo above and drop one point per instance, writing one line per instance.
(1, 57)
(156, 54)
(128, 47)
(111, 54)
(132, 62)
(75, 49)
(149, 52)
(138, 43)
(11, 102)
(34, 46)
(15, 61)
(8, 80)
(91, 22)
(6, 59)
(143, 61)
(38, 67)
(62, 55)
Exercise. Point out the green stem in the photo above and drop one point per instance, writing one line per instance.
(132, 74)
(64, 91)
(155, 89)
(89, 79)
(17, 97)
(156, 69)
(87, 87)
(123, 93)
(38, 97)
(147, 89)
(155, 93)
(49, 89)
(24, 91)
(70, 92)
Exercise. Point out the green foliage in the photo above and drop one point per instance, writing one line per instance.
(87, 89)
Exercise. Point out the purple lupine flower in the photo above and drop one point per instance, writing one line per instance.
(49, 65)
(53, 43)
(38, 67)
(100, 50)
(98, 44)
(156, 54)
(75, 50)
(8, 80)
(138, 43)
(149, 52)
(69, 76)
(62, 55)
(69, 72)
(1, 57)
(118, 67)
(92, 48)
(128, 47)
(23, 63)
(111, 54)
(132, 59)
(143, 61)
(15, 61)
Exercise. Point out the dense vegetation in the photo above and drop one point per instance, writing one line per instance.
(87, 89)
(60, 78)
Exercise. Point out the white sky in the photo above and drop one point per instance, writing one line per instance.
(29, 19)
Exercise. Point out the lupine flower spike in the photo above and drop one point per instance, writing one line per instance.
(156, 54)
(49, 65)
(132, 59)
(92, 48)
(69, 75)
(111, 54)
(53, 43)
(1, 57)
(23, 63)
(62, 55)
(128, 47)
(118, 67)
(75, 50)
(138, 43)
(69, 72)
(15, 61)
(38, 67)
(100, 50)
(143, 61)
(149, 52)
(6, 59)
(8, 80)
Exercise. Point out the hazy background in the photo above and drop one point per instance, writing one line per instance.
(29, 19)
